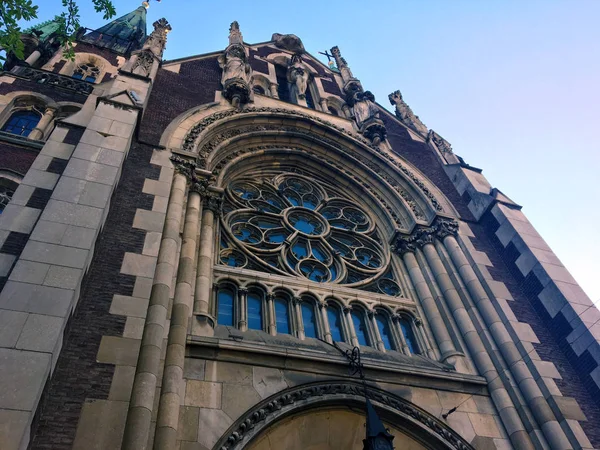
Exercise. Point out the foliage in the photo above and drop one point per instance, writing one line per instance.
(13, 11)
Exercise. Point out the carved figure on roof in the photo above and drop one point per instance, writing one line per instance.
(236, 70)
(298, 77)
(289, 42)
(235, 35)
(405, 114)
(364, 107)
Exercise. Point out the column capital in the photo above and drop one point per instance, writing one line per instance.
(322, 305)
(347, 309)
(243, 291)
(446, 227)
(270, 296)
(422, 235)
(213, 201)
(296, 300)
(183, 166)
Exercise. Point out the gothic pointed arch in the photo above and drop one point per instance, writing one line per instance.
(416, 423)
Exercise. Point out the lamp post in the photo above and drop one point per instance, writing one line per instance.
(377, 436)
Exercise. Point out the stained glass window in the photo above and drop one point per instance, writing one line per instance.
(225, 299)
(409, 335)
(282, 316)
(360, 327)
(335, 323)
(309, 319)
(255, 310)
(383, 324)
(22, 123)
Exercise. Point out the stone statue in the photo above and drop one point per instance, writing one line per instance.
(298, 77)
(364, 108)
(234, 65)
(405, 114)
(289, 42)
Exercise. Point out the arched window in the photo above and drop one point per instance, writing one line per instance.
(309, 319)
(335, 323)
(360, 327)
(282, 316)
(409, 335)
(255, 310)
(258, 90)
(87, 72)
(225, 299)
(333, 111)
(383, 325)
(22, 123)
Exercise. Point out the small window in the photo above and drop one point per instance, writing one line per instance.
(333, 111)
(360, 327)
(282, 316)
(309, 98)
(22, 123)
(283, 88)
(258, 90)
(309, 320)
(335, 323)
(255, 311)
(383, 324)
(409, 335)
(88, 72)
(225, 299)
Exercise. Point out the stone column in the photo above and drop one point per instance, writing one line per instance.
(442, 336)
(297, 304)
(243, 309)
(32, 59)
(540, 408)
(350, 325)
(38, 132)
(485, 366)
(274, 91)
(323, 104)
(270, 316)
(325, 320)
(168, 410)
(204, 322)
(148, 364)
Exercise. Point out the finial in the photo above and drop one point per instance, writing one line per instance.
(235, 35)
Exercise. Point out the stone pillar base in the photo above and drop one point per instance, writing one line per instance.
(203, 325)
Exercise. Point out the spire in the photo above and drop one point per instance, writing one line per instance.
(122, 35)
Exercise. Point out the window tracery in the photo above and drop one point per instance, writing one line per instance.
(22, 122)
(87, 72)
(291, 225)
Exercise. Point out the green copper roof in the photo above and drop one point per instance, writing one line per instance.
(46, 28)
(122, 35)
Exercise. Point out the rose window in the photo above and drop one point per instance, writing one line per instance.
(292, 226)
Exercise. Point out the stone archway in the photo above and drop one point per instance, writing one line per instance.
(325, 429)
(289, 415)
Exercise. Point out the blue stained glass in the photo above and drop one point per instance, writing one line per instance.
(21, 123)
(295, 201)
(360, 328)
(335, 323)
(314, 271)
(300, 250)
(306, 224)
(334, 273)
(78, 75)
(276, 238)
(409, 335)
(384, 331)
(266, 224)
(225, 307)
(282, 317)
(308, 318)
(255, 316)
(90, 79)
(319, 254)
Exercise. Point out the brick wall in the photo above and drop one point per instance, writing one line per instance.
(16, 158)
(77, 375)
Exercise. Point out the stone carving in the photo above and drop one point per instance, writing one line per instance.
(237, 73)
(342, 66)
(257, 419)
(213, 201)
(422, 236)
(442, 144)
(190, 144)
(143, 63)
(366, 115)
(298, 77)
(405, 114)
(289, 42)
(183, 166)
(54, 79)
(158, 38)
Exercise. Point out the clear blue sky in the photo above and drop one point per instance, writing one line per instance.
(513, 85)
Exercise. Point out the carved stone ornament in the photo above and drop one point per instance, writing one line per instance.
(183, 166)
(237, 73)
(190, 144)
(404, 414)
(422, 236)
(289, 42)
(366, 116)
(158, 38)
(213, 201)
(235, 35)
(143, 63)
(405, 114)
(442, 144)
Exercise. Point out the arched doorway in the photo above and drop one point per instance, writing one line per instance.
(328, 429)
(330, 415)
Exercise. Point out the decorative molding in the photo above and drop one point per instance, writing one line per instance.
(442, 144)
(297, 399)
(421, 236)
(53, 79)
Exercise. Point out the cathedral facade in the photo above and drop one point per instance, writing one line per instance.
(244, 250)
